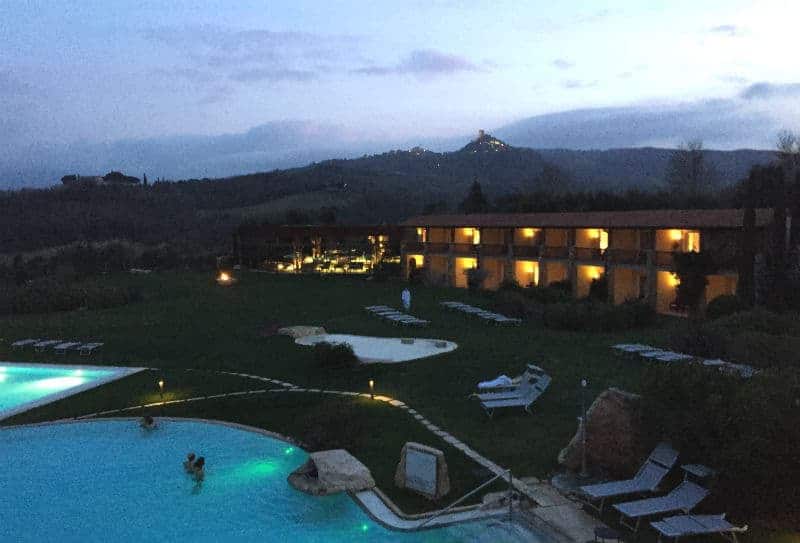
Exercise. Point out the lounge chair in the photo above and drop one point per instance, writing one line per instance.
(88, 348)
(691, 525)
(682, 498)
(42, 345)
(529, 392)
(24, 343)
(62, 348)
(632, 347)
(646, 480)
(513, 388)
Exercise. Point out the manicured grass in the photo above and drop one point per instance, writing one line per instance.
(187, 321)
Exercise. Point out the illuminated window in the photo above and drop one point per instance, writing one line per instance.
(693, 242)
(528, 232)
(603, 240)
(476, 237)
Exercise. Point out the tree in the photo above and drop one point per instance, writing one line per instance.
(552, 179)
(475, 202)
(688, 173)
(144, 179)
(692, 270)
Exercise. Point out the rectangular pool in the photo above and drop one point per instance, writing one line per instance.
(24, 385)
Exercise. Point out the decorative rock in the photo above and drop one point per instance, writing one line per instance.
(440, 344)
(422, 469)
(407, 340)
(613, 435)
(301, 331)
(330, 472)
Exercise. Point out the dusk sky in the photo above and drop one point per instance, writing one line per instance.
(99, 71)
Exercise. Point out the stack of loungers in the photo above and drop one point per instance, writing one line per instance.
(488, 316)
(59, 346)
(681, 500)
(395, 317)
(653, 353)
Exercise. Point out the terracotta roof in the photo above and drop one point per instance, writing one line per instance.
(653, 218)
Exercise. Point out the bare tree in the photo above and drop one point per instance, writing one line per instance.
(688, 172)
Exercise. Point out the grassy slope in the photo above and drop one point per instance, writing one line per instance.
(188, 322)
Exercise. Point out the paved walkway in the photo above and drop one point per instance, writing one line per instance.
(551, 507)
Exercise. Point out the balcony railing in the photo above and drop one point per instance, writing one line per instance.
(588, 253)
(527, 250)
(414, 247)
(494, 250)
(663, 259)
(438, 248)
(627, 256)
(556, 252)
(463, 248)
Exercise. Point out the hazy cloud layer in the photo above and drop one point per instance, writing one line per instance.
(563, 64)
(424, 62)
(766, 91)
(726, 30)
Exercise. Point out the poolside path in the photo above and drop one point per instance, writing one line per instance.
(563, 515)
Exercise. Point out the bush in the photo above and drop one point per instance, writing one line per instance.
(386, 270)
(598, 289)
(548, 295)
(475, 278)
(747, 430)
(335, 355)
(514, 303)
(597, 317)
(50, 294)
(722, 306)
(565, 285)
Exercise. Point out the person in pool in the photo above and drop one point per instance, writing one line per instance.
(188, 463)
(148, 422)
(198, 469)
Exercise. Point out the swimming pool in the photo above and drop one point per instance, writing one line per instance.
(109, 480)
(386, 350)
(23, 386)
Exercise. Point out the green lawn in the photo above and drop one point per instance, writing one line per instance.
(187, 322)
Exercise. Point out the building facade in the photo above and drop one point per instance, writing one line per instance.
(631, 250)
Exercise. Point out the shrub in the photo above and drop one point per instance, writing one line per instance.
(597, 317)
(514, 303)
(50, 294)
(722, 306)
(386, 270)
(598, 289)
(565, 285)
(475, 278)
(548, 295)
(747, 430)
(335, 355)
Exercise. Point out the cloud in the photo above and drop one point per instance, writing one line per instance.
(766, 91)
(426, 62)
(726, 30)
(11, 86)
(265, 74)
(563, 64)
(578, 84)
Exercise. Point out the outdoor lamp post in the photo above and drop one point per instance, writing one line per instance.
(584, 468)
(372, 389)
(161, 387)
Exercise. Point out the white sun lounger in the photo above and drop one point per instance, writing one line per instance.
(632, 347)
(682, 498)
(24, 343)
(88, 348)
(647, 480)
(669, 356)
(691, 525)
(62, 348)
(42, 345)
(527, 393)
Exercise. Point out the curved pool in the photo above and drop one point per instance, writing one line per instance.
(386, 350)
(109, 480)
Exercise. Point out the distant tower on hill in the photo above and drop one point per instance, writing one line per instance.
(481, 134)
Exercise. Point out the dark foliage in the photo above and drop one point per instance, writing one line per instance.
(335, 355)
(722, 306)
(591, 316)
(746, 430)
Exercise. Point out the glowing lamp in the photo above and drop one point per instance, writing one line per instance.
(161, 388)
(594, 233)
(675, 235)
(372, 389)
(674, 280)
(528, 232)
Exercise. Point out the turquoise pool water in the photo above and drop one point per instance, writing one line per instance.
(112, 481)
(23, 386)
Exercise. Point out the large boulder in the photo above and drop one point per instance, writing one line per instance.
(302, 331)
(613, 435)
(331, 472)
